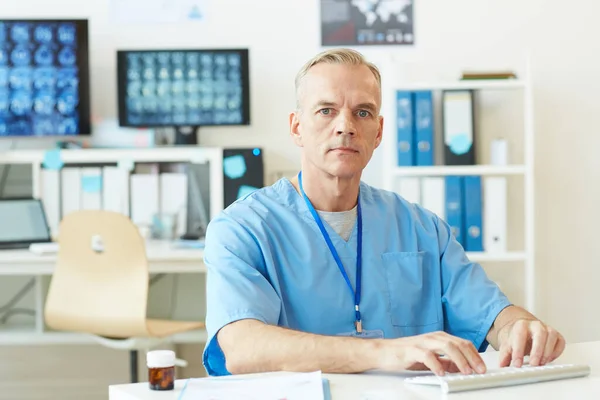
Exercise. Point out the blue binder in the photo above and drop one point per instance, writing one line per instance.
(473, 213)
(454, 207)
(405, 128)
(423, 121)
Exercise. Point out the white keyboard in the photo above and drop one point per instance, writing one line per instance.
(44, 248)
(508, 376)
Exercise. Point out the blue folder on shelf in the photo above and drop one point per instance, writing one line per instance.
(405, 128)
(473, 213)
(423, 122)
(454, 207)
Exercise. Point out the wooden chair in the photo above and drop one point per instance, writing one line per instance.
(100, 285)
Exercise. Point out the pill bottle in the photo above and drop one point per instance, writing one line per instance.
(161, 369)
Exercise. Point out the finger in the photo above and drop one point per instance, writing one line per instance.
(519, 340)
(558, 349)
(461, 352)
(505, 356)
(449, 365)
(472, 355)
(539, 336)
(431, 361)
(454, 353)
(551, 342)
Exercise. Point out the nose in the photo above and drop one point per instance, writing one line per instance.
(345, 124)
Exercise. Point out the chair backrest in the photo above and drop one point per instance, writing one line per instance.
(100, 283)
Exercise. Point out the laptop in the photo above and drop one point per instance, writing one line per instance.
(23, 222)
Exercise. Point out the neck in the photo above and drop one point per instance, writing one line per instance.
(327, 192)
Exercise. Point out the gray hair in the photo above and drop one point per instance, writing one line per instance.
(337, 56)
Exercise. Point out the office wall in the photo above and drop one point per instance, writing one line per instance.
(450, 36)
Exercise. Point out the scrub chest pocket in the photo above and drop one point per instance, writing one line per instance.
(414, 290)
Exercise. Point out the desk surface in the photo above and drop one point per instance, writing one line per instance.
(383, 386)
(163, 257)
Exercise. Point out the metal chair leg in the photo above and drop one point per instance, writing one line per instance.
(133, 365)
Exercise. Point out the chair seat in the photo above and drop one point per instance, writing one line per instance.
(165, 327)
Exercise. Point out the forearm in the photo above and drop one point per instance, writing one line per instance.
(507, 317)
(251, 346)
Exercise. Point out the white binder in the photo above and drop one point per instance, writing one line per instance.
(144, 198)
(494, 214)
(91, 188)
(173, 197)
(70, 190)
(433, 195)
(115, 190)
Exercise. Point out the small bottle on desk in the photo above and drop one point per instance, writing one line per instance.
(161, 369)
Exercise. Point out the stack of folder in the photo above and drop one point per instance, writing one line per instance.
(416, 129)
(473, 206)
(141, 195)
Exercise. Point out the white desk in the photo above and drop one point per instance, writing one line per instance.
(391, 387)
(163, 257)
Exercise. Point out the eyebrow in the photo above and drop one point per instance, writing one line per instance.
(324, 104)
(366, 106)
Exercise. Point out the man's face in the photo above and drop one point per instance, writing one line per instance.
(338, 124)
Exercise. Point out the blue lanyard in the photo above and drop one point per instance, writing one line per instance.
(356, 295)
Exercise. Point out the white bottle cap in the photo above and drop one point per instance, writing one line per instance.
(160, 358)
(499, 152)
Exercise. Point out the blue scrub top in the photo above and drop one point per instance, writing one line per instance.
(267, 260)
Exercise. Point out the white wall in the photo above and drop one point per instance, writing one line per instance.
(450, 36)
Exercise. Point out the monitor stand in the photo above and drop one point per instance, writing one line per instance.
(186, 135)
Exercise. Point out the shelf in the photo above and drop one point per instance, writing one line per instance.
(444, 170)
(193, 154)
(495, 84)
(496, 257)
(16, 337)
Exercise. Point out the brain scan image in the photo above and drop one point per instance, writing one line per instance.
(39, 78)
(191, 87)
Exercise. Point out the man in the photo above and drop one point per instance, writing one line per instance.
(323, 272)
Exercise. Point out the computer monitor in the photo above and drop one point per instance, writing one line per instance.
(183, 89)
(23, 223)
(44, 78)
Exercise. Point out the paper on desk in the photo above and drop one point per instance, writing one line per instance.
(296, 386)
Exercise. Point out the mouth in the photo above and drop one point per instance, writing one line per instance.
(344, 150)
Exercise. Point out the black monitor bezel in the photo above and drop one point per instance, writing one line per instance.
(122, 84)
(83, 43)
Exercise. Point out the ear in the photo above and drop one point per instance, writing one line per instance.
(295, 128)
(379, 132)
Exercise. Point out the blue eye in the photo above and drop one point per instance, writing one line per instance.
(325, 111)
(363, 113)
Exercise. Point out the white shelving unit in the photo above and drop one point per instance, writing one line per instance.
(161, 258)
(391, 171)
(192, 154)
(483, 170)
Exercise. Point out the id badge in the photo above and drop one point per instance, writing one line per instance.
(365, 334)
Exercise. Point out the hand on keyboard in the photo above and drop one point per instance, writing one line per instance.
(524, 337)
(423, 352)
